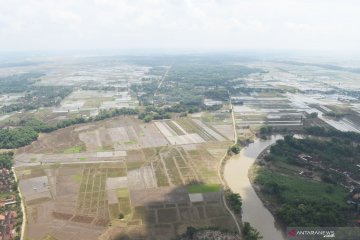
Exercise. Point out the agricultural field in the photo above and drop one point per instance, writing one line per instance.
(90, 102)
(124, 178)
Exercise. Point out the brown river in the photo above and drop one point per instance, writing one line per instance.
(236, 175)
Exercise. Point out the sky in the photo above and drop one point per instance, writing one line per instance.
(272, 25)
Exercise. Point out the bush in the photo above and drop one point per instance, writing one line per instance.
(235, 149)
(250, 233)
(234, 201)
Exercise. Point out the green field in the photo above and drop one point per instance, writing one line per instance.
(203, 188)
(301, 202)
(75, 149)
(123, 193)
(295, 188)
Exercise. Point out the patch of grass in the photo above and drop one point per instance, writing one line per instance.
(302, 202)
(130, 142)
(75, 149)
(114, 211)
(294, 188)
(174, 128)
(77, 178)
(161, 177)
(116, 172)
(125, 206)
(49, 237)
(203, 188)
(25, 172)
(139, 212)
(104, 149)
(173, 171)
(123, 193)
(82, 158)
(134, 165)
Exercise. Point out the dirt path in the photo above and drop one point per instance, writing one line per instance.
(162, 80)
(220, 175)
(23, 225)
(189, 163)
(178, 169)
(165, 170)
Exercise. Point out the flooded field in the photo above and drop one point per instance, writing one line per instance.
(236, 176)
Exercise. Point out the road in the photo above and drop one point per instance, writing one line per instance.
(162, 80)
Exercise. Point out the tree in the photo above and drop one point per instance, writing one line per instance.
(250, 233)
(190, 232)
(148, 118)
(234, 201)
(313, 115)
(235, 149)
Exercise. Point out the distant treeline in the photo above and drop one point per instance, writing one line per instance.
(39, 96)
(28, 129)
(323, 132)
(18, 83)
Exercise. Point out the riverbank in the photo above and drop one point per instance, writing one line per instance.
(268, 203)
(286, 191)
(252, 175)
(237, 219)
(236, 176)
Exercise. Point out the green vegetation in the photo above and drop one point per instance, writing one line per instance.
(313, 115)
(302, 202)
(266, 130)
(18, 83)
(77, 178)
(203, 188)
(75, 149)
(27, 130)
(335, 153)
(39, 96)
(234, 201)
(336, 115)
(17, 137)
(5, 160)
(9, 188)
(250, 233)
(123, 193)
(49, 237)
(235, 149)
(333, 133)
(187, 84)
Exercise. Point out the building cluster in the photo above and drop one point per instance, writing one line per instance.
(7, 217)
(7, 225)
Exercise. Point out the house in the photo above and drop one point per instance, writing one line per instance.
(7, 224)
(304, 157)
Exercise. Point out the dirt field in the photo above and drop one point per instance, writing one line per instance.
(122, 178)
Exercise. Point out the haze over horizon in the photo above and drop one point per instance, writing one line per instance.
(218, 25)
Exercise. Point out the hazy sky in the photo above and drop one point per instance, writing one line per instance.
(180, 24)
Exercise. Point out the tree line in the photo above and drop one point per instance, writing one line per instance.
(28, 129)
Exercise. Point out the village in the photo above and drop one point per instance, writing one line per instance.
(10, 223)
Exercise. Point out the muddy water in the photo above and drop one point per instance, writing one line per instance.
(236, 176)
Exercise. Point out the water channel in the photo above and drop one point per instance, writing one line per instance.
(236, 175)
